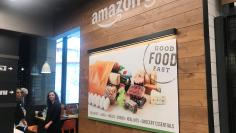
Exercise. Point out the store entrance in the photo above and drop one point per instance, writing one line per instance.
(231, 69)
(225, 31)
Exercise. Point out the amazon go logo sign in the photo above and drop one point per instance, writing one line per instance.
(115, 10)
(161, 57)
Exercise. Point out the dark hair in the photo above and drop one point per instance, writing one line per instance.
(49, 103)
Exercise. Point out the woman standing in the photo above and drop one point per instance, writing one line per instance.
(20, 112)
(52, 124)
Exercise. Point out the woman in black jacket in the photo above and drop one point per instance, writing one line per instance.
(52, 124)
(20, 112)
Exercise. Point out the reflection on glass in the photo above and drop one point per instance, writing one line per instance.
(58, 67)
(73, 62)
(72, 68)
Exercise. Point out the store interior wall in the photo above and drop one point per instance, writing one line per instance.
(186, 16)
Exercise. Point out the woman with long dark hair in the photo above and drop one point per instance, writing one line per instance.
(52, 124)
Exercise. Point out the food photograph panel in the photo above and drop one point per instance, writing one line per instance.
(136, 85)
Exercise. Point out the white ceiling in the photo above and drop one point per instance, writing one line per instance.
(39, 7)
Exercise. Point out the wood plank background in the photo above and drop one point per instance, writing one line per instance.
(186, 16)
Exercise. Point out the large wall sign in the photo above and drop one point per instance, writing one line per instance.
(136, 85)
(115, 11)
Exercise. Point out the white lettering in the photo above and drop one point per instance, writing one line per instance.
(127, 5)
(3, 92)
(116, 10)
(3, 68)
(102, 14)
(118, 18)
(149, 3)
(119, 9)
(112, 10)
(135, 3)
(94, 18)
